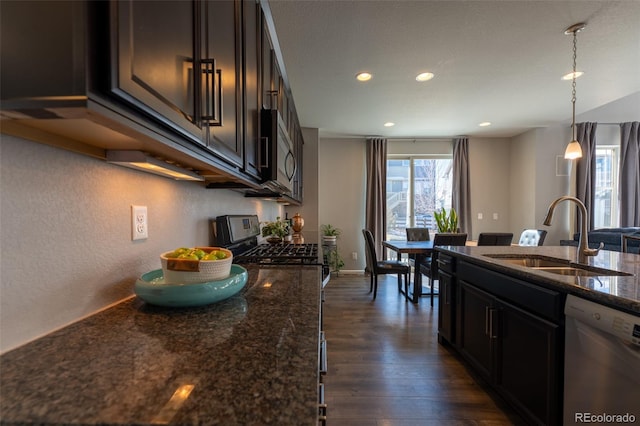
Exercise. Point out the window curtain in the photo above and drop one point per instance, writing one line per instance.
(630, 174)
(586, 169)
(461, 201)
(376, 196)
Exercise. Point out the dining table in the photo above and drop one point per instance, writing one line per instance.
(421, 250)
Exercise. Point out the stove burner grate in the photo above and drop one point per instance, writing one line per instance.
(281, 254)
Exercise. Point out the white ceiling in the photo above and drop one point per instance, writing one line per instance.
(497, 61)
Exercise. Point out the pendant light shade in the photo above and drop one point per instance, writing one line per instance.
(574, 150)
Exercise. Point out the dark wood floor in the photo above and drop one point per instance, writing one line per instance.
(386, 366)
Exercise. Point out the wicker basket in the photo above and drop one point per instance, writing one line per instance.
(185, 271)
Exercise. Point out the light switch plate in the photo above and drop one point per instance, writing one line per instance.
(139, 223)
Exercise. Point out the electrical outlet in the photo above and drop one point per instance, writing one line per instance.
(480, 216)
(139, 225)
(495, 216)
(354, 255)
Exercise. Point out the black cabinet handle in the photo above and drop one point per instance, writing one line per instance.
(287, 163)
(486, 321)
(493, 323)
(211, 93)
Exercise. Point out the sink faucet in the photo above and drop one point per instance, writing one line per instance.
(583, 244)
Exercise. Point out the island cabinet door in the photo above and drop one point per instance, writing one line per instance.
(446, 307)
(477, 316)
(529, 363)
(154, 53)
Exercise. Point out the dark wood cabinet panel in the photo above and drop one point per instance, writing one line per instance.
(267, 59)
(179, 61)
(252, 85)
(518, 351)
(475, 339)
(528, 359)
(221, 88)
(446, 303)
(184, 80)
(154, 58)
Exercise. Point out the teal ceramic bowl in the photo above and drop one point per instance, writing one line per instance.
(151, 288)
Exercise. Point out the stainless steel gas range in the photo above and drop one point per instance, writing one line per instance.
(239, 233)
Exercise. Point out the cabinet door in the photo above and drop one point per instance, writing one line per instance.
(477, 318)
(154, 56)
(252, 85)
(528, 360)
(221, 96)
(267, 63)
(446, 306)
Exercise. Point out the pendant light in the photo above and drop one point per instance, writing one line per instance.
(574, 150)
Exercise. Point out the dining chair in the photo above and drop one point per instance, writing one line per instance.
(495, 238)
(383, 267)
(532, 237)
(625, 243)
(416, 234)
(429, 267)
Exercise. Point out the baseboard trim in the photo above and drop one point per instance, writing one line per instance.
(350, 272)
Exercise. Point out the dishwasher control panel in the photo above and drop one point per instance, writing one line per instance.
(612, 321)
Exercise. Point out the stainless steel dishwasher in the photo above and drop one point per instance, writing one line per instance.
(602, 364)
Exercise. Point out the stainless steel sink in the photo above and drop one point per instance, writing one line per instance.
(532, 262)
(555, 266)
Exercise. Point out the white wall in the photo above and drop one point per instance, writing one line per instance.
(489, 166)
(65, 227)
(341, 195)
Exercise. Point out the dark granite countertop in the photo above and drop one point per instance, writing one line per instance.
(251, 360)
(620, 292)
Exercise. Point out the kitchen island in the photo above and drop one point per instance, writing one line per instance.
(251, 359)
(618, 291)
(503, 310)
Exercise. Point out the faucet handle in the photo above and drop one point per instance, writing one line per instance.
(593, 252)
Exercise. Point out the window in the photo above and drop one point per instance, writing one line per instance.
(416, 186)
(606, 206)
(606, 202)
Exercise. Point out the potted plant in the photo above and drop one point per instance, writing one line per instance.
(329, 233)
(334, 259)
(275, 231)
(446, 222)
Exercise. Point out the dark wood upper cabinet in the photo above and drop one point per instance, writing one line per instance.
(252, 84)
(154, 56)
(179, 61)
(183, 80)
(221, 77)
(267, 59)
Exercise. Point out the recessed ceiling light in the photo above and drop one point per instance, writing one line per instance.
(389, 124)
(570, 75)
(425, 76)
(363, 76)
(485, 124)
